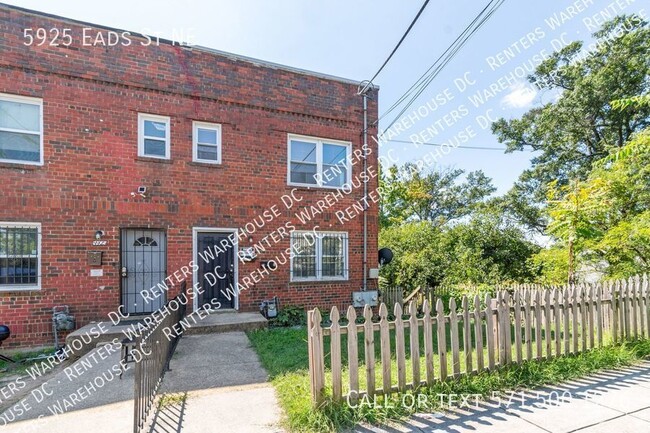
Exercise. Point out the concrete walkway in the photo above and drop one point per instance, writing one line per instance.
(227, 388)
(609, 402)
(216, 384)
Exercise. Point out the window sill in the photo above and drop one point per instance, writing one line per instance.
(153, 159)
(20, 165)
(10, 289)
(322, 280)
(305, 187)
(205, 164)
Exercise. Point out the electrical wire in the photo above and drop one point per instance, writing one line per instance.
(408, 30)
(441, 144)
(430, 74)
(419, 81)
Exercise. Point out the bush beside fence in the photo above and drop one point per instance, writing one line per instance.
(483, 334)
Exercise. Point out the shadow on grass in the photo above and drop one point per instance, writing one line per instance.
(169, 414)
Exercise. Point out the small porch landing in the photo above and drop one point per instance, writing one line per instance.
(213, 323)
(227, 321)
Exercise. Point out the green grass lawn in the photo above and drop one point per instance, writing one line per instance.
(283, 352)
(21, 365)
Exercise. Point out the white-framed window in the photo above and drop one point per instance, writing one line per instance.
(153, 136)
(206, 142)
(319, 256)
(20, 256)
(318, 162)
(21, 129)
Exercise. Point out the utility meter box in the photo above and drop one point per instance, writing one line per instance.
(361, 299)
(94, 258)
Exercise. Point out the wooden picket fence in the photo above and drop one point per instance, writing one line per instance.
(483, 334)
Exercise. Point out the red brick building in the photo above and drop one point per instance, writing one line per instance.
(151, 153)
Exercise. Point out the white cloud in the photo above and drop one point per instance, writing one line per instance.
(520, 96)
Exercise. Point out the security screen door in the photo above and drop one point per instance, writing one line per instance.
(144, 266)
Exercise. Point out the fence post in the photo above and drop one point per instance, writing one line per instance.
(316, 361)
(335, 350)
(558, 324)
(646, 302)
(400, 348)
(538, 324)
(528, 332)
(467, 334)
(490, 330)
(353, 356)
(625, 300)
(414, 333)
(501, 328)
(547, 323)
(369, 337)
(442, 339)
(427, 334)
(517, 319)
(384, 343)
(453, 336)
(478, 331)
(575, 328)
(507, 331)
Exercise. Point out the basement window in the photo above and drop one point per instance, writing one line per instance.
(318, 162)
(319, 256)
(21, 126)
(153, 136)
(20, 258)
(206, 142)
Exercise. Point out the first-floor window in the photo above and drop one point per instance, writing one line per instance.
(19, 255)
(319, 256)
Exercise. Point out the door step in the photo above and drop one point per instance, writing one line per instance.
(227, 321)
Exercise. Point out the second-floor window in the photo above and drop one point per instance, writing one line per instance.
(318, 162)
(206, 142)
(21, 136)
(153, 136)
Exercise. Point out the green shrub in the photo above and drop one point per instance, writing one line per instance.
(290, 315)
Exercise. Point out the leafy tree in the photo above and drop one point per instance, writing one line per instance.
(419, 257)
(573, 216)
(581, 126)
(437, 196)
(606, 218)
(483, 249)
(551, 265)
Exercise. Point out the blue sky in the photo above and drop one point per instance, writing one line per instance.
(352, 38)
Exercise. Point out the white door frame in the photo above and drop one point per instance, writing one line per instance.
(196, 258)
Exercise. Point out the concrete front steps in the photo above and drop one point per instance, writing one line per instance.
(227, 321)
(86, 338)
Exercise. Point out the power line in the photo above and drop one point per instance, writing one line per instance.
(430, 74)
(441, 144)
(421, 79)
(453, 49)
(408, 30)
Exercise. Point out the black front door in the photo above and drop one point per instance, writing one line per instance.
(216, 260)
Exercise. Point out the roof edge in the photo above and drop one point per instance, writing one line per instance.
(232, 56)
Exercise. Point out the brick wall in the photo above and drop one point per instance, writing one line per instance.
(91, 99)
